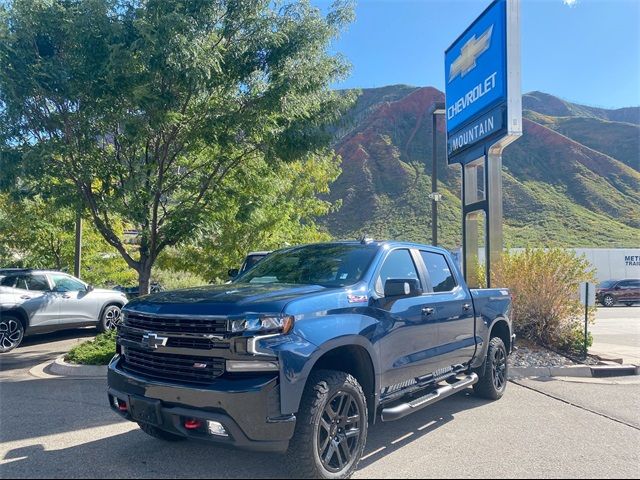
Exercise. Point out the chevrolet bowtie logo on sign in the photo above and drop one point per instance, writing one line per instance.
(153, 341)
(469, 54)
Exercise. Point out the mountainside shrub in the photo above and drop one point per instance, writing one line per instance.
(544, 285)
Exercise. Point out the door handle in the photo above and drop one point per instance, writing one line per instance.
(466, 307)
(26, 297)
(66, 296)
(428, 310)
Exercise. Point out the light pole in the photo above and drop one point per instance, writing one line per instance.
(78, 249)
(438, 108)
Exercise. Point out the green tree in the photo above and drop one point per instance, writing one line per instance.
(145, 108)
(38, 233)
(262, 209)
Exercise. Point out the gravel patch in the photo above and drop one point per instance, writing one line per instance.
(531, 355)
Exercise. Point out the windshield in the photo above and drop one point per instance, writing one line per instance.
(328, 265)
(607, 284)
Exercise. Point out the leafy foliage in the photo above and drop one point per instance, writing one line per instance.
(37, 233)
(145, 108)
(94, 352)
(544, 285)
(263, 209)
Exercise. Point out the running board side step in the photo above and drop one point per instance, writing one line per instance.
(399, 411)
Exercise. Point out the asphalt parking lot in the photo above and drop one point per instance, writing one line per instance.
(62, 428)
(616, 333)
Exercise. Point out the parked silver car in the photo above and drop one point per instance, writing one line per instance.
(39, 301)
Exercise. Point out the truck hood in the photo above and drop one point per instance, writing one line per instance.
(230, 299)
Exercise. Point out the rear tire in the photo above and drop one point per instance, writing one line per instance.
(11, 333)
(110, 318)
(494, 373)
(155, 432)
(331, 431)
(629, 304)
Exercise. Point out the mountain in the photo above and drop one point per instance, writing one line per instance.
(573, 179)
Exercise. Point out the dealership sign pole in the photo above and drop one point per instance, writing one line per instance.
(484, 115)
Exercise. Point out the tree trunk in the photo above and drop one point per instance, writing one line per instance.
(144, 278)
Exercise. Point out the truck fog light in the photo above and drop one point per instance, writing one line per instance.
(216, 428)
(251, 366)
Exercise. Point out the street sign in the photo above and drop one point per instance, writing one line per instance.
(482, 72)
(588, 294)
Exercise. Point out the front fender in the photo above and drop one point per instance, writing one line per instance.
(297, 355)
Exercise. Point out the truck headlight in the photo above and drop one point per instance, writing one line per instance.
(263, 324)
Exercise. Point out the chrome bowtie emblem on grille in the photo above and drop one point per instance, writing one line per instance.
(199, 365)
(469, 54)
(153, 341)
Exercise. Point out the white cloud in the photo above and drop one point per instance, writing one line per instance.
(570, 3)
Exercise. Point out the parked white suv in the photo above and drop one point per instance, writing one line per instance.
(39, 301)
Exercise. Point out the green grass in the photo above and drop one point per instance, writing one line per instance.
(94, 352)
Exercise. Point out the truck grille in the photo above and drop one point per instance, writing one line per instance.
(180, 368)
(197, 343)
(168, 324)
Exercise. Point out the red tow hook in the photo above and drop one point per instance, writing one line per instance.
(122, 405)
(192, 424)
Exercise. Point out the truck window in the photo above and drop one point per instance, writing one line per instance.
(398, 265)
(329, 265)
(441, 277)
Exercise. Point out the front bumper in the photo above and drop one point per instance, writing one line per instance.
(248, 408)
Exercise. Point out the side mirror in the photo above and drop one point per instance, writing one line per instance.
(395, 287)
(617, 287)
(90, 288)
(233, 272)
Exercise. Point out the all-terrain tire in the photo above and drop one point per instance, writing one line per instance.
(320, 436)
(494, 373)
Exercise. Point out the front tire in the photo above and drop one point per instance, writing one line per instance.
(494, 373)
(110, 318)
(608, 301)
(11, 333)
(331, 431)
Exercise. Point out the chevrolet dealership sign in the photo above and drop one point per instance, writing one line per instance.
(482, 68)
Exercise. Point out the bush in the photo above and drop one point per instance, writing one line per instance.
(544, 285)
(94, 352)
(174, 280)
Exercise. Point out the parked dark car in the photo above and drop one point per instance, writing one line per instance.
(309, 348)
(250, 260)
(618, 291)
(133, 292)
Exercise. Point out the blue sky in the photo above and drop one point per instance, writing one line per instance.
(586, 51)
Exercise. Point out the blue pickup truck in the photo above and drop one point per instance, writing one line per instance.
(303, 352)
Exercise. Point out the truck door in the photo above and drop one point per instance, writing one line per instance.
(452, 312)
(406, 333)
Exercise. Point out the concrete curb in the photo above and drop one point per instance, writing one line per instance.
(583, 371)
(60, 367)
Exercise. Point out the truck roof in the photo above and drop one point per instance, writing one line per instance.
(380, 243)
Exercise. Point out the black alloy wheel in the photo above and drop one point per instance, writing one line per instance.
(339, 432)
(499, 368)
